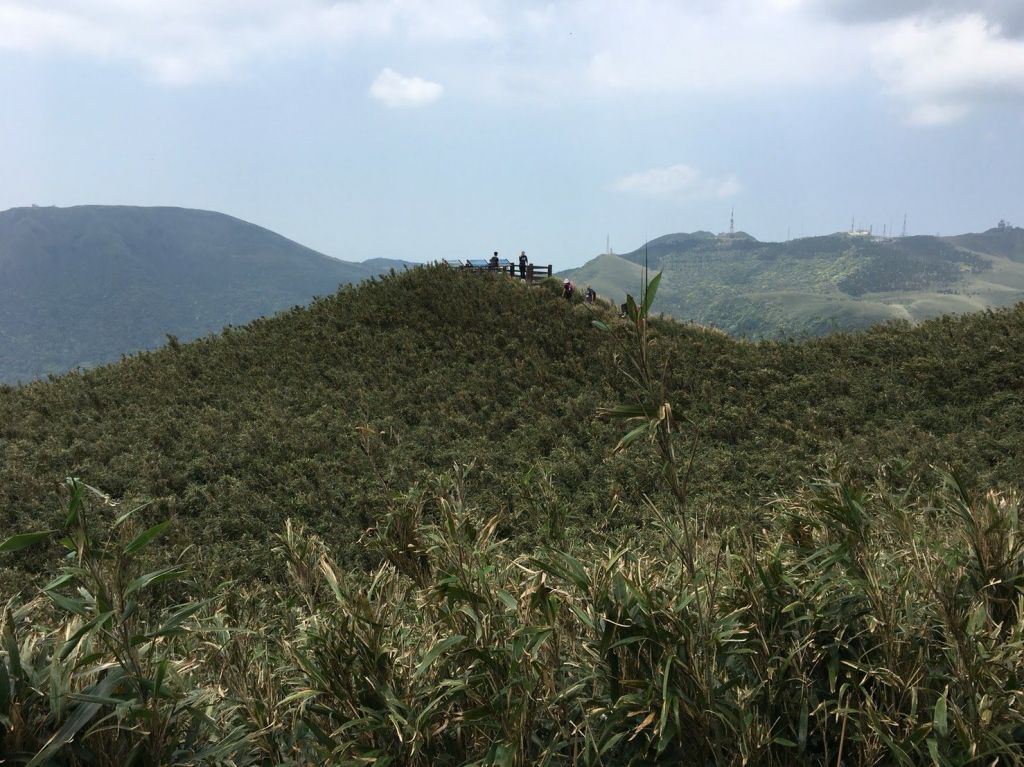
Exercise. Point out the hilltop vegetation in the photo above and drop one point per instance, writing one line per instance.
(554, 604)
(816, 285)
(84, 285)
(322, 414)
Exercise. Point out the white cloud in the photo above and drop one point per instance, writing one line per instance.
(1009, 14)
(944, 68)
(728, 46)
(397, 91)
(677, 182)
(573, 44)
(939, 59)
(184, 41)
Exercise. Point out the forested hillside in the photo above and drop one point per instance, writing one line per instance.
(393, 528)
(84, 285)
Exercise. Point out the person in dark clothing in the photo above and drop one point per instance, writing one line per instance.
(567, 290)
(523, 263)
(590, 296)
(494, 261)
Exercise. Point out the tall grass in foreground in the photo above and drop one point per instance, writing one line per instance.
(860, 626)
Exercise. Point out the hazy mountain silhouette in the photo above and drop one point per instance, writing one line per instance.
(84, 285)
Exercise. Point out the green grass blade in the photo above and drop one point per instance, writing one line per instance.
(23, 540)
(436, 651)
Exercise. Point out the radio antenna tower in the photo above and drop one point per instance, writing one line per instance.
(732, 220)
(904, 225)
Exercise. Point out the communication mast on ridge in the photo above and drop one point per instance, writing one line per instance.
(732, 220)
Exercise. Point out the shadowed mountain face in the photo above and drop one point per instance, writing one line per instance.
(85, 285)
(815, 285)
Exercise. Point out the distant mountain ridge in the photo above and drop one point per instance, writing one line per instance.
(815, 285)
(86, 284)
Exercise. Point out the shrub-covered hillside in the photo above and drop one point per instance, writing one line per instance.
(322, 413)
(508, 614)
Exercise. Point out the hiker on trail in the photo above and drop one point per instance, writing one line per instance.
(494, 261)
(590, 296)
(523, 263)
(567, 290)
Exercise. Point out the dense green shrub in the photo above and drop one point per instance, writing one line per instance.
(861, 626)
(239, 432)
(863, 619)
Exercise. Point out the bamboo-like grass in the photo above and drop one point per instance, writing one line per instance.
(861, 625)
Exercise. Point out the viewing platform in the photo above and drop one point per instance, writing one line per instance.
(530, 273)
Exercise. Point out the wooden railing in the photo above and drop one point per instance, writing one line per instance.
(531, 273)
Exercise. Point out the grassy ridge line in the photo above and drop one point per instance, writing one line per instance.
(324, 414)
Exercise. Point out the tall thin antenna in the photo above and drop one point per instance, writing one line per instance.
(732, 220)
(904, 225)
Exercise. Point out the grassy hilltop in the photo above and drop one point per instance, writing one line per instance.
(558, 603)
(304, 414)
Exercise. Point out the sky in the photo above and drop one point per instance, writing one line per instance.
(452, 128)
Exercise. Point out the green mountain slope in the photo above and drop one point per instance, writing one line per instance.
(325, 413)
(84, 285)
(1004, 240)
(817, 285)
(549, 605)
